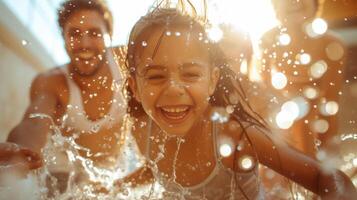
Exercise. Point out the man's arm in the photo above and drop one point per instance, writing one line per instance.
(32, 131)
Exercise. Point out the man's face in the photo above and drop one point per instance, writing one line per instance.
(294, 11)
(85, 32)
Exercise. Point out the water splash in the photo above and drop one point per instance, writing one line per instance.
(79, 177)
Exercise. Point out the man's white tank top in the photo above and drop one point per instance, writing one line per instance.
(75, 117)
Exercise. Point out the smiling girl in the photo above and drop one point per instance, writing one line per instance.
(199, 136)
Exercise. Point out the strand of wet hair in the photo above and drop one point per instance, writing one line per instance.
(158, 44)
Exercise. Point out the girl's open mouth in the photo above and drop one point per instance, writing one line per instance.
(174, 114)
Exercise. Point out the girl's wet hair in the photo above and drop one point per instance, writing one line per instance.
(228, 92)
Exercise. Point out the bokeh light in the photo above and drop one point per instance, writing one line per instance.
(284, 39)
(319, 26)
(318, 69)
(246, 162)
(310, 92)
(279, 80)
(225, 150)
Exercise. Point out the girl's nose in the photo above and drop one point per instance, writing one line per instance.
(174, 89)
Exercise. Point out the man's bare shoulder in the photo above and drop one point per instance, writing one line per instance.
(52, 75)
(50, 80)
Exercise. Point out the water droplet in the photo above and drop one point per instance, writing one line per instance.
(279, 80)
(329, 108)
(246, 162)
(318, 69)
(230, 109)
(334, 51)
(310, 93)
(95, 128)
(24, 42)
(144, 43)
(321, 155)
(304, 58)
(319, 26)
(320, 126)
(220, 115)
(225, 150)
(215, 34)
(284, 39)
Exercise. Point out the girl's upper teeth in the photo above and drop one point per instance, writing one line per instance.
(175, 109)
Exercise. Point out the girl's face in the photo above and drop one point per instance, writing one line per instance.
(175, 83)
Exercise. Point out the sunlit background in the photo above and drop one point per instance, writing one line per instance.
(39, 17)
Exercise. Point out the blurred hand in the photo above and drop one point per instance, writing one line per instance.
(17, 159)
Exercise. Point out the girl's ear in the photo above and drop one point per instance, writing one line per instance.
(134, 89)
(214, 80)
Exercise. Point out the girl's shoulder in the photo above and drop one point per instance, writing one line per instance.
(237, 130)
(238, 136)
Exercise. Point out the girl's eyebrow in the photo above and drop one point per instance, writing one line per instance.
(151, 67)
(192, 64)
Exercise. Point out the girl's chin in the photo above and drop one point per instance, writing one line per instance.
(174, 131)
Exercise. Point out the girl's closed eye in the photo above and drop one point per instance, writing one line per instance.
(155, 76)
(191, 72)
(191, 75)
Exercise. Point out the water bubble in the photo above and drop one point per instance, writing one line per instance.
(283, 120)
(284, 39)
(95, 128)
(230, 109)
(320, 126)
(244, 67)
(317, 142)
(24, 42)
(246, 162)
(304, 58)
(220, 115)
(292, 108)
(215, 34)
(144, 43)
(310, 32)
(334, 51)
(329, 108)
(319, 26)
(279, 80)
(310, 93)
(318, 69)
(225, 150)
(240, 146)
(321, 155)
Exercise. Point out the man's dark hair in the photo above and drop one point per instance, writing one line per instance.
(71, 6)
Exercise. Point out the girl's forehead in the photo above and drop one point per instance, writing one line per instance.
(172, 43)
